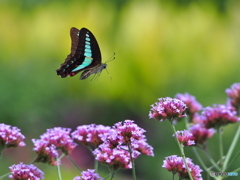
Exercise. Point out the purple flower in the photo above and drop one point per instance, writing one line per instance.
(10, 136)
(197, 118)
(91, 134)
(234, 95)
(88, 175)
(128, 131)
(116, 158)
(218, 115)
(143, 147)
(176, 164)
(200, 133)
(173, 163)
(167, 108)
(192, 104)
(46, 147)
(185, 138)
(25, 172)
(119, 145)
(47, 153)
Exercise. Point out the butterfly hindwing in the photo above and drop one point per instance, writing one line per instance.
(85, 53)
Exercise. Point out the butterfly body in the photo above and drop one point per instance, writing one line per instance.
(85, 55)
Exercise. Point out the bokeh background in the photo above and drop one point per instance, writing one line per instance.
(162, 48)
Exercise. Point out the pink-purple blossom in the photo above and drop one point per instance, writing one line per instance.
(128, 131)
(192, 104)
(54, 139)
(143, 147)
(167, 108)
(185, 138)
(200, 133)
(10, 136)
(115, 158)
(218, 115)
(234, 95)
(88, 175)
(176, 165)
(123, 144)
(92, 134)
(47, 153)
(25, 172)
(130, 134)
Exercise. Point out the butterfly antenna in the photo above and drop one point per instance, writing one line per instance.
(111, 58)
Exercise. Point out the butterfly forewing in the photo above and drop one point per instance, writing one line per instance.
(85, 53)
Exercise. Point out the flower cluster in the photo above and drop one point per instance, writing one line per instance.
(167, 108)
(22, 171)
(91, 135)
(193, 106)
(88, 175)
(234, 95)
(200, 133)
(218, 115)
(124, 143)
(115, 158)
(185, 138)
(10, 136)
(176, 164)
(46, 147)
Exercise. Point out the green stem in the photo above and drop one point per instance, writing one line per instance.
(233, 159)
(182, 152)
(59, 172)
(202, 163)
(1, 150)
(133, 164)
(74, 163)
(236, 170)
(199, 159)
(230, 150)
(212, 161)
(219, 130)
(58, 167)
(96, 165)
(5, 175)
(112, 174)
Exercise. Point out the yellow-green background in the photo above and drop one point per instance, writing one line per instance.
(162, 48)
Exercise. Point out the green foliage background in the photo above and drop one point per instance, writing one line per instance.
(162, 48)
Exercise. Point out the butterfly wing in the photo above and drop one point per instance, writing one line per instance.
(85, 53)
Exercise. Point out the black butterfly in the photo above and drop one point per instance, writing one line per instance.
(85, 55)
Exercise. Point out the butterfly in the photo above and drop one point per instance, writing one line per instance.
(85, 55)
